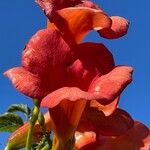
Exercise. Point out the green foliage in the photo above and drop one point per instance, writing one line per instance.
(20, 108)
(9, 122)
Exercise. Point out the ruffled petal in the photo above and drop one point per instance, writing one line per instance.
(92, 59)
(105, 89)
(95, 55)
(89, 4)
(53, 64)
(137, 138)
(44, 59)
(66, 94)
(68, 103)
(26, 82)
(118, 28)
(116, 124)
(80, 73)
(50, 6)
(111, 85)
(75, 23)
(106, 109)
(41, 53)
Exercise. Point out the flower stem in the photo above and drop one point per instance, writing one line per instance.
(46, 147)
(46, 137)
(7, 147)
(33, 119)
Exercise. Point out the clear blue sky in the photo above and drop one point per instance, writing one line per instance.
(20, 19)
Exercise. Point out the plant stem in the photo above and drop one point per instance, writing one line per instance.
(46, 137)
(7, 147)
(46, 147)
(42, 143)
(33, 119)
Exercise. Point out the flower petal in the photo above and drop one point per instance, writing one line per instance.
(111, 85)
(85, 138)
(41, 54)
(44, 60)
(116, 124)
(95, 55)
(137, 138)
(106, 109)
(118, 29)
(89, 4)
(52, 63)
(67, 104)
(66, 93)
(119, 77)
(49, 6)
(75, 23)
(92, 59)
(69, 113)
(26, 82)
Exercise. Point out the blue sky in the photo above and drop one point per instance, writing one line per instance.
(20, 19)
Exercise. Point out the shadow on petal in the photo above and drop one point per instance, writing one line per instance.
(106, 109)
(137, 138)
(116, 124)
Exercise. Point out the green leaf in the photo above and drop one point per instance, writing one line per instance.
(10, 122)
(20, 108)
